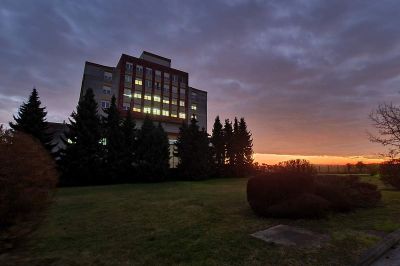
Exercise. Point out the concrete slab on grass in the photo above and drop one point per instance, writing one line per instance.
(291, 236)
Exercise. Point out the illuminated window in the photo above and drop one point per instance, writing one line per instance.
(194, 106)
(147, 97)
(106, 90)
(136, 109)
(165, 100)
(126, 106)
(156, 111)
(127, 92)
(156, 98)
(138, 81)
(173, 114)
(105, 104)
(128, 78)
(165, 112)
(147, 110)
(129, 66)
(182, 115)
(139, 69)
(103, 141)
(174, 102)
(70, 141)
(107, 76)
(137, 95)
(181, 103)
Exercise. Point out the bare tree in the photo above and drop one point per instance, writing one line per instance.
(386, 119)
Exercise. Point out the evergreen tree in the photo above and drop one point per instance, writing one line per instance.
(245, 154)
(152, 151)
(114, 143)
(192, 149)
(80, 159)
(217, 140)
(31, 119)
(129, 151)
(228, 139)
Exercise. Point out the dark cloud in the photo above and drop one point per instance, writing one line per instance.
(305, 74)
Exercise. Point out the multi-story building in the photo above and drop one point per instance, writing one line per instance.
(147, 85)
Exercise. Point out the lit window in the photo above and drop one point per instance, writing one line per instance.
(148, 83)
(173, 114)
(182, 115)
(156, 98)
(106, 90)
(137, 95)
(126, 106)
(165, 100)
(165, 112)
(181, 103)
(70, 141)
(194, 106)
(139, 69)
(107, 76)
(156, 111)
(127, 92)
(128, 78)
(105, 104)
(129, 66)
(103, 141)
(147, 97)
(135, 109)
(174, 102)
(147, 110)
(194, 116)
(138, 81)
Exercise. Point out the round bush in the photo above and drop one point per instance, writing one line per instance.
(390, 172)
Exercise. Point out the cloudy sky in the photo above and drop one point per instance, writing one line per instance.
(304, 74)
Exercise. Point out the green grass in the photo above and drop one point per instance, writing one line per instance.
(189, 223)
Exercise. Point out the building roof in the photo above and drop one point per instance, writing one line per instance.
(157, 56)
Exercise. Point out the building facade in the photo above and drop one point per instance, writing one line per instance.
(147, 85)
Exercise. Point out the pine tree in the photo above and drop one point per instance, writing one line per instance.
(114, 146)
(192, 149)
(80, 159)
(129, 151)
(246, 147)
(31, 119)
(217, 140)
(152, 151)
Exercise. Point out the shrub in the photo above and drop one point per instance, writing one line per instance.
(390, 172)
(27, 177)
(293, 190)
(345, 193)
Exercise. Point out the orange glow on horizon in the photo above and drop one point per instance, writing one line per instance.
(315, 159)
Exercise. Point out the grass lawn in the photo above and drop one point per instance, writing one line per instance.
(189, 223)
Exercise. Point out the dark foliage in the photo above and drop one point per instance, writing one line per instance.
(292, 189)
(128, 158)
(31, 119)
(390, 172)
(27, 178)
(81, 159)
(152, 151)
(218, 143)
(115, 144)
(193, 151)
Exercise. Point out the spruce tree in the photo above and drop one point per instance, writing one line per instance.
(152, 151)
(80, 159)
(217, 140)
(114, 146)
(129, 151)
(31, 119)
(228, 139)
(246, 147)
(192, 149)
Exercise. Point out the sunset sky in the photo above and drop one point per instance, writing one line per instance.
(304, 74)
